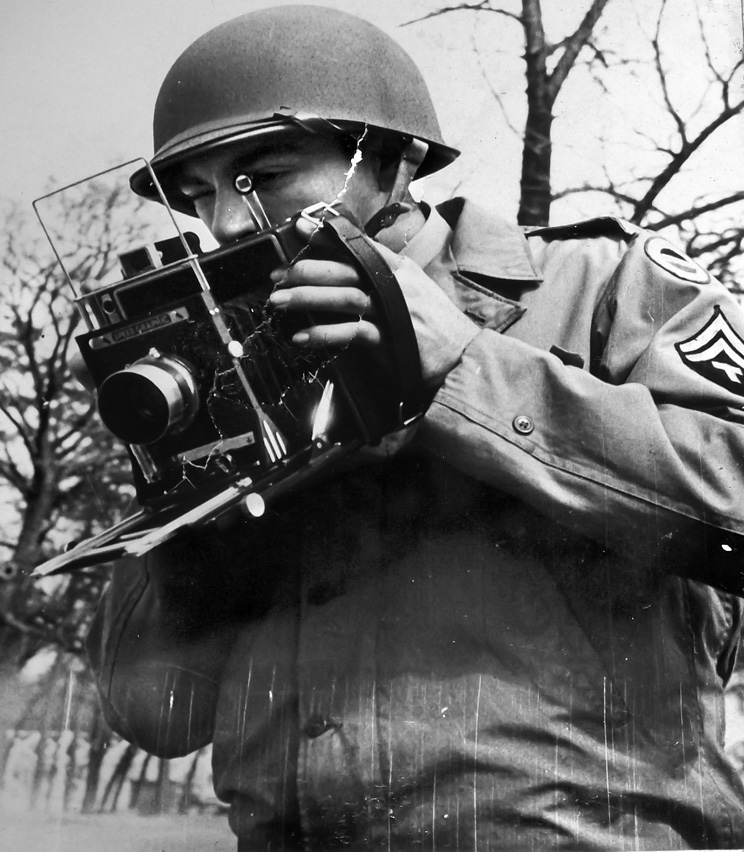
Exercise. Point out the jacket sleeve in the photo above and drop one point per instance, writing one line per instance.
(157, 645)
(643, 448)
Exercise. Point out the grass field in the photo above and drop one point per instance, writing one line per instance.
(27, 832)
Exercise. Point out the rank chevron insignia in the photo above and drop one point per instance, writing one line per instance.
(716, 352)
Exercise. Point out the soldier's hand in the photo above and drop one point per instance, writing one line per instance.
(323, 287)
(442, 330)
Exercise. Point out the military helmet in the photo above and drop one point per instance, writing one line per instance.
(276, 69)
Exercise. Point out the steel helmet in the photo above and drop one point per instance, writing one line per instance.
(273, 69)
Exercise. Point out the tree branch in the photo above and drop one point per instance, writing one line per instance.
(694, 212)
(682, 156)
(573, 46)
(484, 6)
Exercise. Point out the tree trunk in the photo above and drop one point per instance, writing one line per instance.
(137, 785)
(184, 802)
(71, 769)
(21, 722)
(118, 777)
(36, 515)
(160, 788)
(41, 769)
(99, 740)
(536, 195)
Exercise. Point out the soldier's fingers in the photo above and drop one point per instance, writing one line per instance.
(341, 300)
(326, 273)
(339, 335)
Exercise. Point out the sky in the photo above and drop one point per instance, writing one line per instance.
(79, 78)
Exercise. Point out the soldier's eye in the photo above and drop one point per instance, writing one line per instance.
(267, 178)
(195, 191)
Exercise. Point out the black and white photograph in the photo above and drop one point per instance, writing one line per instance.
(372, 425)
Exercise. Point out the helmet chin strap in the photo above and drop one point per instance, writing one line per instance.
(411, 158)
(413, 155)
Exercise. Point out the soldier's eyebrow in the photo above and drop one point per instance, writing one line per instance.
(189, 179)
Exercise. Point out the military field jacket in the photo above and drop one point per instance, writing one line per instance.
(515, 632)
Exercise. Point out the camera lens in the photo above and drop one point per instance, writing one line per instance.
(148, 400)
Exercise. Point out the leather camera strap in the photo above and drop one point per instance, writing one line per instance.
(395, 318)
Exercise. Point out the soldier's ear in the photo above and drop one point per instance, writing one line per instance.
(387, 172)
(397, 164)
(382, 156)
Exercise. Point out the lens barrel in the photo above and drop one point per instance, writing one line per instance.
(148, 400)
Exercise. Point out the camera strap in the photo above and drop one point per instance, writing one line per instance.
(395, 318)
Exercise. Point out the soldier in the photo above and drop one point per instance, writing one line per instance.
(514, 630)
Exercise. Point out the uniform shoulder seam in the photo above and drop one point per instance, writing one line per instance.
(602, 226)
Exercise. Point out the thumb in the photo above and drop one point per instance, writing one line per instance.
(306, 227)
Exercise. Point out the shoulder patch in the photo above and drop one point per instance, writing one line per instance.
(672, 260)
(716, 352)
(602, 226)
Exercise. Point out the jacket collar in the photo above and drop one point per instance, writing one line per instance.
(485, 244)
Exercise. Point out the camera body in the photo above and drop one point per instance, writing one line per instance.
(199, 379)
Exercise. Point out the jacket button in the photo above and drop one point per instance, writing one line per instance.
(523, 424)
(317, 725)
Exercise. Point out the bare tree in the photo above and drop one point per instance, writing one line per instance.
(645, 180)
(547, 66)
(62, 475)
(647, 189)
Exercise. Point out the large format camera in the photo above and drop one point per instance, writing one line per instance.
(218, 409)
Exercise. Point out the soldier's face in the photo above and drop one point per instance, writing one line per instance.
(287, 177)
